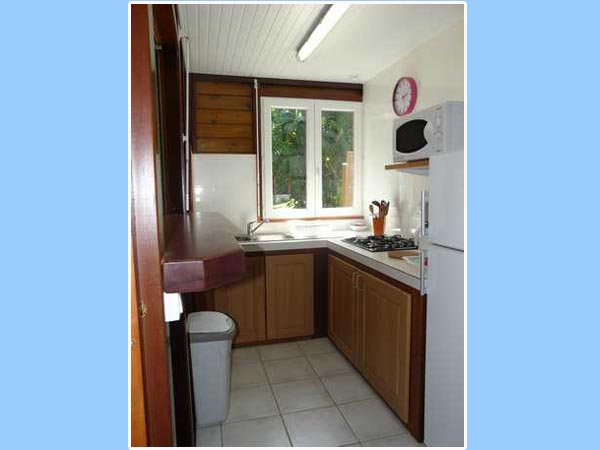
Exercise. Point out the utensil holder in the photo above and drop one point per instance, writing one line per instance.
(378, 226)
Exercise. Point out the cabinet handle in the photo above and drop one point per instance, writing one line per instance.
(358, 278)
(423, 272)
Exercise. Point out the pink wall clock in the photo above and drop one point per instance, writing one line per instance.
(405, 96)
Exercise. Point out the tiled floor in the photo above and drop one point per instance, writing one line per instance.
(302, 394)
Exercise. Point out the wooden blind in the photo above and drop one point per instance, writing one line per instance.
(223, 114)
(310, 89)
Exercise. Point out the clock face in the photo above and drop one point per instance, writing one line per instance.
(405, 96)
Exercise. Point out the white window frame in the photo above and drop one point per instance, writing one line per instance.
(314, 197)
(267, 156)
(356, 108)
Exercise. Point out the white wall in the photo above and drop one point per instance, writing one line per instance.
(437, 66)
(226, 184)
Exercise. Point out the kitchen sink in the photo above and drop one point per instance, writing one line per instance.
(272, 237)
(263, 237)
(244, 238)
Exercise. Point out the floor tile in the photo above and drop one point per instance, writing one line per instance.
(209, 436)
(402, 440)
(245, 354)
(251, 403)
(348, 387)
(301, 395)
(353, 445)
(318, 428)
(372, 419)
(330, 364)
(279, 351)
(283, 370)
(268, 432)
(317, 346)
(246, 374)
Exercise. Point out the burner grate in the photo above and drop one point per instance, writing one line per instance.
(383, 243)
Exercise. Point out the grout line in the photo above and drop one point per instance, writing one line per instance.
(287, 433)
(302, 355)
(386, 437)
(294, 381)
(313, 367)
(334, 404)
(348, 424)
(239, 388)
(251, 419)
(317, 377)
(327, 407)
(338, 409)
(357, 401)
(222, 439)
(309, 409)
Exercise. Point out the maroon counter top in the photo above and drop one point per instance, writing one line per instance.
(200, 252)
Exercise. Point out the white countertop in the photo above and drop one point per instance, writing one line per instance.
(398, 269)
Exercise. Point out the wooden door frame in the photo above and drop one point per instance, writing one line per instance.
(139, 433)
(170, 78)
(145, 238)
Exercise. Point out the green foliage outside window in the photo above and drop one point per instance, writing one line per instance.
(289, 157)
(337, 135)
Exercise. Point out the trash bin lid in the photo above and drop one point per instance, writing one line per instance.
(209, 322)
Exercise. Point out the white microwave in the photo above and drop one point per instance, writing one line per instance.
(434, 130)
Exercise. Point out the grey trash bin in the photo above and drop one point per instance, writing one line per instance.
(210, 335)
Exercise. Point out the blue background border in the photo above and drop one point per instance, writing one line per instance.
(533, 221)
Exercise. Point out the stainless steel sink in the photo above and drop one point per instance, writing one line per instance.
(244, 238)
(263, 237)
(271, 237)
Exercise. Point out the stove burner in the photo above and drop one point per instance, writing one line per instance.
(382, 243)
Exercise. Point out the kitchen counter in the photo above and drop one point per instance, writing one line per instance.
(398, 269)
(200, 252)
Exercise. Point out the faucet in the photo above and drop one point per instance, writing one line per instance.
(250, 229)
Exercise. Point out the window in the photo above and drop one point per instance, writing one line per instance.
(311, 157)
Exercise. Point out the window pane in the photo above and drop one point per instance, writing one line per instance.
(337, 135)
(289, 157)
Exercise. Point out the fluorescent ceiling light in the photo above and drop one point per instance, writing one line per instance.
(333, 14)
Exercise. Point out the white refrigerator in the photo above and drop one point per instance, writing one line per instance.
(444, 357)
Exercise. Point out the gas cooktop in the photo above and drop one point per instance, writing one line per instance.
(383, 243)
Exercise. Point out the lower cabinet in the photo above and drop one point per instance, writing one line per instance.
(370, 321)
(343, 308)
(290, 295)
(244, 302)
(385, 335)
(275, 300)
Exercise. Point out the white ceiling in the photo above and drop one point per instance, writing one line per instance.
(262, 39)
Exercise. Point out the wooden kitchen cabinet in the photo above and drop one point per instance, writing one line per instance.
(290, 295)
(379, 326)
(343, 307)
(244, 302)
(385, 340)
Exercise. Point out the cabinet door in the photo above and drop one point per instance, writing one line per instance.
(343, 310)
(290, 296)
(244, 302)
(385, 331)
